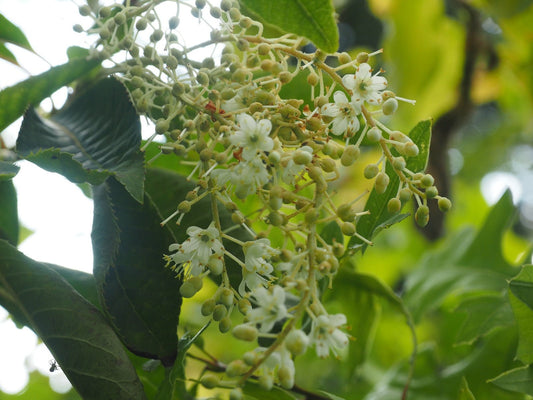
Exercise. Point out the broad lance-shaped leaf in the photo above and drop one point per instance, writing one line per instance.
(140, 296)
(96, 136)
(516, 380)
(14, 100)
(380, 218)
(313, 19)
(12, 34)
(77, 334)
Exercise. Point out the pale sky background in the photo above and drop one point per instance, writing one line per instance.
(53, 208)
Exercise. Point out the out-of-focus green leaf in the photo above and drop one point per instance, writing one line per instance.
(8, 170)
(464, 391)
(331, 396)
(7, 55)
(466, 264)
(140, 296)
(313, 19)
(520, 297)
(9, 218)
(331, 233)
(76, 333)
(39, 388)
(484, 314)
(96, 136)
(12, 34)
(516, 380)
(380, 218)
(14, 100)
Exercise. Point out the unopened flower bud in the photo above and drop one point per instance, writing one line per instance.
(405, 195)
(215, 12)
(207, 307)
(390, 106)
(302, 157)
(209, 381)
(235, 394)
(350, 155)
(187, 289)
(427, 180)
(219, 312)
(244, 306)
(432, 192)
(286, 377)
(345, 212)
(312, 79)
(399, 163)
(394, 205)
(410, 149)
(141, 24)
(344, 58)
(247, 333)
(236, 368)
(362, 57)
(374, 134)
(226, 297)
(297, 342)
(444, 204)
(382, 181)
(348, 228)
(224, 325)
(173, 22)
(422, 215)
(371, 170)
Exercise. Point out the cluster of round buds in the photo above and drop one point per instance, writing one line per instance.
(250, 148)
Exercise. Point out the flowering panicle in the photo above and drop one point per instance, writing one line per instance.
(250, 148)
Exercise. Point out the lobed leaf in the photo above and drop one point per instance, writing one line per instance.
(96, 136)
(312, 19)
(139, 295)
(14, 100)
(76, 333)
(380, 218)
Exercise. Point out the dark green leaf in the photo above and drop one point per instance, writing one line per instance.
(81, 281)
(8, 170)
(9, 220)
(140, 295)
(15, 100)
(168, 189)
(516, 380)
(379, 218)
(95, 136)
(331, 233)
(313, 19)
(78, 336)
(10, 33)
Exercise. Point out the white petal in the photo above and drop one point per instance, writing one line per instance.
(363, 72)
(348, 81)
(264, 126)
(340, 97)
(246, 122)
(330, 110)
(340, 125)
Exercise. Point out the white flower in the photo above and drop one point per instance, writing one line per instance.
(271, 307)
(202, 247)
(292, 170)
(246, 177)
(326, 335)
(365, 87)
(252, 136)
(344, 114)
(257, 269)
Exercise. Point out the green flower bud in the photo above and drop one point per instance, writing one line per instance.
(382, 181)
(444, 204)
(207, 307)
(286, 377)
(348, 228)
(84, 10)
(219, 312)
(245, 22)
(345, 212)
(184, 206)
(394, 205)
(172, 62)
(432, 192)
(120, 18)
(266, 382)
(427, 180)
(215, 12)
(422, 215)
(344, 58)
(362, 57)
(350, 154)
(399, 163)
(405, 195)
(78, 28)
(263, 49)
(410, 149)
(312, 79)
(371, 170)
(173, 22)
(202, 78)
(141, 24)
(244, 306)
(297, 342)
(247, 333)
(235, 394)
(236, 368)
(390, 106)
(187, 289)
(374, 134)
(209, 381)
(285, 77)
(224, 325)
(162, 126)
(302, 157)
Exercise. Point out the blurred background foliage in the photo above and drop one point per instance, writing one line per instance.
(469, 65)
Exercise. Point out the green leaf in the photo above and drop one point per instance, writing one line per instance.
(82, 282)
(76, 333)
(380, 218)
(15, 100)
(520, 298)
(8, 170)
(331, 396)
(140, 296)
(484, 313)
(10, 33)
(9, 220)
(331, 233)
(8, 55)
(516, 380)
(464, 391)
(167, 189)
(95, 136)
(465, 265)
(313, 19)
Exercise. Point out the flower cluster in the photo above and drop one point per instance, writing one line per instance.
(250, 148)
